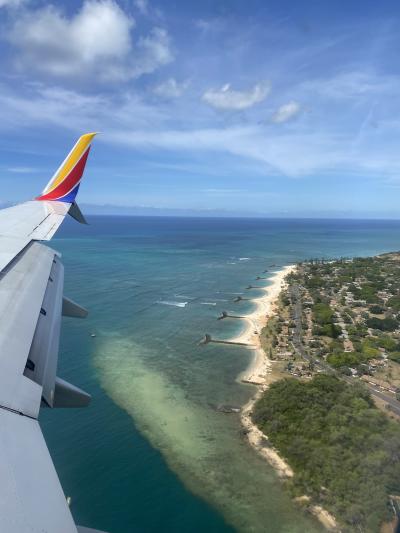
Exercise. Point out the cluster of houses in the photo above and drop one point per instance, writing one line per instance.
(348, 311)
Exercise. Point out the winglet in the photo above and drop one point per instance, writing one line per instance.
(64, 185)
(76, 213)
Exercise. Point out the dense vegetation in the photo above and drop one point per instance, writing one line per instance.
(384, 324)
(366, 350)
(346, 359)
(323, 318)
(344, 451)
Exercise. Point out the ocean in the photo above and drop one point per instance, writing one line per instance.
(152, 453)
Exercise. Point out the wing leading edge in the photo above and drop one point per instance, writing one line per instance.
(31, 307)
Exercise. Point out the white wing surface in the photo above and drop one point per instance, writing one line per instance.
(31, 306)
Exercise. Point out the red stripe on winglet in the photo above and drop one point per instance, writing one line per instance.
(69, 182)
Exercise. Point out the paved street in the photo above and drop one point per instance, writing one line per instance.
(298, 346)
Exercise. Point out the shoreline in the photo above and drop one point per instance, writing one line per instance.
(257, 320)
(257, 374)
(257, 371)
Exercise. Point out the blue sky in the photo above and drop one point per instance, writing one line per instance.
(276, 108)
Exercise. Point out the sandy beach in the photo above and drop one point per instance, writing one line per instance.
(257, 374)
(266, 307)
(257, 371)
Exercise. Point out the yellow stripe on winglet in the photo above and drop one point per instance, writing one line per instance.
(71, 160)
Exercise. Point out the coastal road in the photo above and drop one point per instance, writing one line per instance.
(388, 398)
(297, 334)
(394, 404)
(297, 310)
(299, 348)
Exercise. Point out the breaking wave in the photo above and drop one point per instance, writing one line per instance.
(174, 304)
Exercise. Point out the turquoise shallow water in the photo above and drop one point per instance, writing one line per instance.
(151, 453)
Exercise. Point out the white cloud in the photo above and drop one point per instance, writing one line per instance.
(222, 192)
(352, 85)
(21, 170)
(96, 42)
(11, 3)
(170, 88)
(142, 6)
(154, 51)
(56, 107)
(211, 25)
(227, 98)
(286, 112)
(316, 147)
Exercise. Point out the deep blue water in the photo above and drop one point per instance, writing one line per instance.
(151, 453)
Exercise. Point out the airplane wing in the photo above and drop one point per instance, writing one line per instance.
(31, 307)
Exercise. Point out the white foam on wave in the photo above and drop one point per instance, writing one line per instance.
(174, 304)
(244, 258)
(208, 303)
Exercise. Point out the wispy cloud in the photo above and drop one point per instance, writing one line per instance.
(12, 3)
(352, 84)
(286, 112)
(226, 98)
(223, 191)
(21, 170)
(170, 88)
(210, 25)
(307, 148)
(292, 154)
(142, 6)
